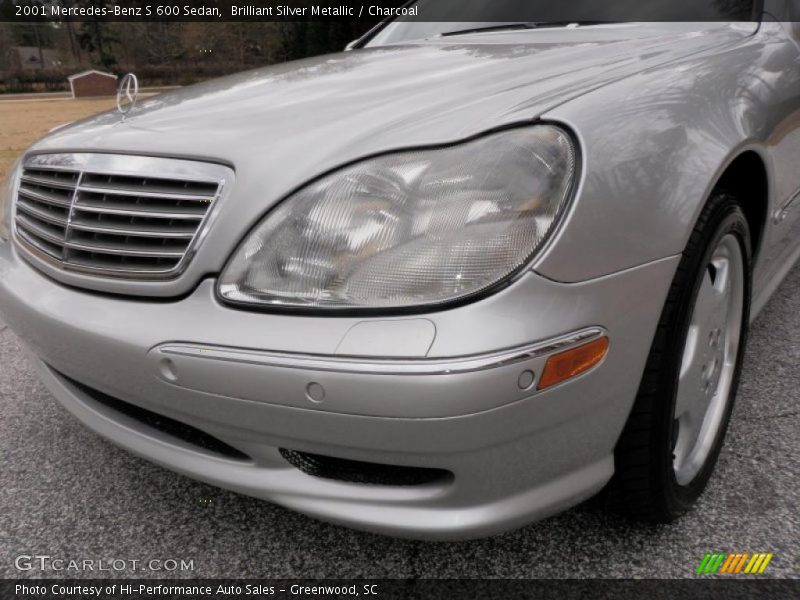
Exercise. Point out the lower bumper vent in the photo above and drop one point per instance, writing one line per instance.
(166, 425)
(353, 471)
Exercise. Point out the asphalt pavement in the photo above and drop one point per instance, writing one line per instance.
(65, 492)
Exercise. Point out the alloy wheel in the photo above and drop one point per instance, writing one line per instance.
(709, 359)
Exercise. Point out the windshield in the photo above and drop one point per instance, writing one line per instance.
(442, 17)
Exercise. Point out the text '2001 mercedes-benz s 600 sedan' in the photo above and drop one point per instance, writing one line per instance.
(453, 280)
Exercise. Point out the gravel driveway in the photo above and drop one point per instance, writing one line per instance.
(66, 492)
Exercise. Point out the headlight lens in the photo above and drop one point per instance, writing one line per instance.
(409, 229)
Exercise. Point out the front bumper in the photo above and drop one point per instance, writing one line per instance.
(515, 455)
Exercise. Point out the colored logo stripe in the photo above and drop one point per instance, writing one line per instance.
(730, 563)
(758, 564)
(711, 563)
(733, 563)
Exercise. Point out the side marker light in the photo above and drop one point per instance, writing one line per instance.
(571, 363)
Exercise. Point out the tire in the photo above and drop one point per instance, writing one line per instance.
(645, 484)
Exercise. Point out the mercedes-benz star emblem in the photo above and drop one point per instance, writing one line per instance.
(127, 92)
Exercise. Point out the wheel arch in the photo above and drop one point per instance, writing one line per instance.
(745, 175)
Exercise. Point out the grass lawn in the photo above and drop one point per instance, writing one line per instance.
(23, 122)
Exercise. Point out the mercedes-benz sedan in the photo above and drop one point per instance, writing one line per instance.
(454, 280)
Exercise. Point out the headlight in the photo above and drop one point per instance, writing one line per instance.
(409, 229)
(6, 193)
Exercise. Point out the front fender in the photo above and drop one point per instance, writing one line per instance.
(655, 144)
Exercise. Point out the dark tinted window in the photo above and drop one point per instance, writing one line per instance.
(444, 16)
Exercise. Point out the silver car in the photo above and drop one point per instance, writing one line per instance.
(457, 279)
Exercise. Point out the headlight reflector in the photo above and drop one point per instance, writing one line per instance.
(409, 229)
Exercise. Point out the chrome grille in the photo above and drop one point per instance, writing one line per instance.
(112, 224)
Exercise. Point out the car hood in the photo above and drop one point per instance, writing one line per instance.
(288, 123)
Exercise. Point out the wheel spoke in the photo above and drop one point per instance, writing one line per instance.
(708, 302)
(722, 278)
(690, 395)
(690, 350)
(689, 389)
(722, 289)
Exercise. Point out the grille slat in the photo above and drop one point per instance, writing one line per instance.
(118, 225)
(144, 184)
(42, 195)
(102, 227)
(40, 244)
(47, 181)
(149, 214)
(117, 191)
(124, 265)
(42, 231)
(43, 213)
(124, 250)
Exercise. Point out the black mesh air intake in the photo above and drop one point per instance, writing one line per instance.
(353, 471)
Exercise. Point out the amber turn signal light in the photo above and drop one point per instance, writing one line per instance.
(571, 363)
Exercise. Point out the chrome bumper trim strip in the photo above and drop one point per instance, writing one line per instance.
(383, 366)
